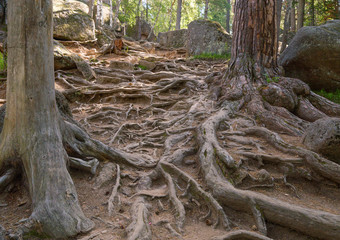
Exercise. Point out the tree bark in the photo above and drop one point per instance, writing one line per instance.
(301, 14)
(111, 14)
(278, 21)
(286, 25)
(91, 2)
(228, 17)
(100, 18)
(179, 15)
(292, 19)
(255, 40)
(206, 9)
(31, 134)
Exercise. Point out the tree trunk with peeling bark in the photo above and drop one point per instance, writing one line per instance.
(228, 17)
(286, 25)
(31, 135)
(91, 3)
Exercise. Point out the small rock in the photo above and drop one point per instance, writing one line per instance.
(121, 65)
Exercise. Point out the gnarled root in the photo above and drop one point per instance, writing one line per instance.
(242, 235)
(311, 222)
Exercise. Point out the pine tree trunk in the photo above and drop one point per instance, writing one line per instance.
(228, 17)
(292, 19)
(179, 15)
(301, 14)
(254, 43)
(206, 9)
(31, 132)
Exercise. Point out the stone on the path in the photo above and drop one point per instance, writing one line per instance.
(71, 21)
(323, 136)
(121, 65)
(314, 56)
(147, 64)
(175, 39)
(205, 36)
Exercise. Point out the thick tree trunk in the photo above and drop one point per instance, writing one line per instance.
(138, 22)
(115, 19)
(179, 15)
(111, 14)
(31, 132)
(301, 14)
(91, 3)
(286, 25)
(206, 9)
(292, 19)
(228, 17)
(255, 40)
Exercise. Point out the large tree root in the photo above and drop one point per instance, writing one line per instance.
(242, 235)
(311, 222)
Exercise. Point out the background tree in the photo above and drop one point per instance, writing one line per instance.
(206, 9)
(31, 136)
(301, 14)
(179, 14)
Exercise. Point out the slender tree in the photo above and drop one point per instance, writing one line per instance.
(292, 18)
(91, 3)
(99, 17)
(170, 14)
(312, 12)
(228, 16)
(286, 25)
(301, 14)
(31, 136)
(206, 9)
(179, 14)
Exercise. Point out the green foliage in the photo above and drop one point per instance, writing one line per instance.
(212, 56)
(3, 62)
(333, 96)
(271, 79)
(142, 67)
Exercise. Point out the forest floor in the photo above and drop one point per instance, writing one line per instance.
(140, 111)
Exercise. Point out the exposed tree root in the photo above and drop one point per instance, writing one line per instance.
(311, 222)
(242, 235)
(114, 197)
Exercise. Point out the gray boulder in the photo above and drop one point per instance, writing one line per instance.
(146, 31)
(175, 39)
(71, 21)
(206, 36)
(323, 136)
(314, 56)
(64, 59)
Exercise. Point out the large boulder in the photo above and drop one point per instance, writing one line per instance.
(323, 136)
(64, 59)
(206, 36)
(71, 21)
(175, 39)
(147, 32)
(314, 56)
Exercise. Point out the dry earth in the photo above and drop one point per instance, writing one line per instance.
(156, 113)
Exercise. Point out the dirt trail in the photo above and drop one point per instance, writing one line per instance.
(156, 113)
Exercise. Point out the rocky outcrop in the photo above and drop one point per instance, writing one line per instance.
(64, 59)
(314, 56)
(71, 21)
(147, 32)
(175, 39)
(323, 136)
(206, 36)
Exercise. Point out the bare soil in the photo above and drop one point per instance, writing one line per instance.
(134, 113)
